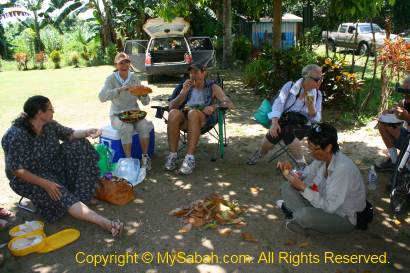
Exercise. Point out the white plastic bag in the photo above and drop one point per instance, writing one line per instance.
(129, 169)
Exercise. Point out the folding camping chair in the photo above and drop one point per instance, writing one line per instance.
(217, 131)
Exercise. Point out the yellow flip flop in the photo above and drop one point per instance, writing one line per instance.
(59, 239)
(27, 244)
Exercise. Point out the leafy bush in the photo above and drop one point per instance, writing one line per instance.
(110, 53)
(256, 73)
(311, 37)
(52, 39)
(56, 58)
(271, 69)
(74, 59)
(242, 48)
(339, 85)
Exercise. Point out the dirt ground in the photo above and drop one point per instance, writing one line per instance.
(150, 229)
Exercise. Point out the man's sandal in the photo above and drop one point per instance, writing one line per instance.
(116, 227)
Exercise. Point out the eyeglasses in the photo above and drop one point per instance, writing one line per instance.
(319, 79)
(51, 109)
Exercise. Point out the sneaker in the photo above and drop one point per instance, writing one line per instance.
(146, 162)
(254, 158)
(171, 163)
(188, 165)
(386, 166)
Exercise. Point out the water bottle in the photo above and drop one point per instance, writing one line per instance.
(371, 178)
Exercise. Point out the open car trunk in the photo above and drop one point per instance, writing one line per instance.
(157, 27)
(168, 49)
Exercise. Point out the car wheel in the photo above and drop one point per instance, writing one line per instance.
(331, 45)
(363, 48)
(150, 79)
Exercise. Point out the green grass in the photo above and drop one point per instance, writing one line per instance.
(69, 89)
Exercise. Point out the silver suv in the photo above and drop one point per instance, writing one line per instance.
(168, 52)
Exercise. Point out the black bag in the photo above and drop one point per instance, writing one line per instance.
(364, 217)
(292, 118)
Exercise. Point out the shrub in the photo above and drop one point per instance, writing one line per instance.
(56, 58)
(339, 85)
(39, 59)
(21, 59)
(255, 73)
(242, 48)
(52, 39)
(110, 53)
(74, 58)
(271, 69)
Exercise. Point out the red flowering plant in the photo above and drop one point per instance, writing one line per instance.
(39, 59)
(21, 59)
(395, 60)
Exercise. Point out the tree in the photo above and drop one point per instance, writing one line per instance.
(37, 20)
(104, 16)
(227, 40)
(12, 12)
(401, 11)
(277, 24)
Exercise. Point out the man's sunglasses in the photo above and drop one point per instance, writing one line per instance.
(316, 79)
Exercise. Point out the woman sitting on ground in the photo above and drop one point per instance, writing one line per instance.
(57, 178)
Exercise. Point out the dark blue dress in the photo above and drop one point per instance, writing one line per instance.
(72, 164)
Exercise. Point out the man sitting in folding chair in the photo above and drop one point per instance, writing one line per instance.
(297, 106)
(192, 108)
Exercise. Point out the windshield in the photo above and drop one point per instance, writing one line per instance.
(368, 29)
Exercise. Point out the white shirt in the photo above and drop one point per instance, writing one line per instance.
(121, 101)
(287, 101)
(342, 192)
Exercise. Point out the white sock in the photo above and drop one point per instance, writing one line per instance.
(145, 155)
(190, 156)
(393, 154)
(173, 155)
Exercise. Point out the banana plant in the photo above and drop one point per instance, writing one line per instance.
(38, 15)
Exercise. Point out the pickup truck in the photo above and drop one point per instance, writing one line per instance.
(345, 37)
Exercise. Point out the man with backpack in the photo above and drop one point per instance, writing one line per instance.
(297, 106)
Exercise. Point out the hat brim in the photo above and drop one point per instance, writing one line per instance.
(195, 67)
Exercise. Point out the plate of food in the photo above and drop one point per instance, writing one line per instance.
(390, 119)
(132, 116)
(139, 90)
